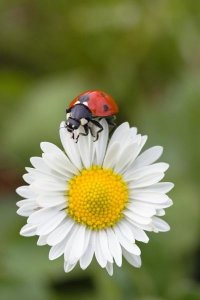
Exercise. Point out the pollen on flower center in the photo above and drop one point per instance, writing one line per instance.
(97, 197)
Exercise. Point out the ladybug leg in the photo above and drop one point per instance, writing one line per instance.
(111, 121)
(86, 130)
(99, 126)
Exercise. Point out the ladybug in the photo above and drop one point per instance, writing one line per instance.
(87, 109)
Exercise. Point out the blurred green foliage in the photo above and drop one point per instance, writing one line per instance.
(147, 55)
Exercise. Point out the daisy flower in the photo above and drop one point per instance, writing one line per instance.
(95, 199)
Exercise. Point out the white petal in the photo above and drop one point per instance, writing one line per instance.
(60, 232)
(161, 187)
(146, 180)
(77, 245)
(49, 186)
(141, 210)
(148, 196)
(86, 259)
(131, 247)
(42, 215)
(111, 155)
(57, 250)
(42, 240)
(160, 212)
(109, 268)
(119, 133)
(39, 164)
(59, 164)
(25, 192)
(126, 230)
(98, 252)
(27, 209)
(48, 226)
(84, 150)
(104, 245)
(135, 174)
(137, 218)
(50, 148)
(132, 259)
(69, 267)
(71, 148)
(126, 157)
(50, 201)
(155, 205)
(148, 157)
(28, 178)
(31, 202)
(114, 246)
(101, 143)
(160, 225)
(28, 230)
(138, 233)
(70, 240)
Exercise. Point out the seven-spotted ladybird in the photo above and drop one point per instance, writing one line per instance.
(87, 109)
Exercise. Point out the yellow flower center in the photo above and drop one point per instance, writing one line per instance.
(97, 197)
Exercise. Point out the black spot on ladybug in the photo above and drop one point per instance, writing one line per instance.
(83, 99)
(105, 107)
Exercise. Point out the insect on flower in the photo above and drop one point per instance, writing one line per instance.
(87, 109)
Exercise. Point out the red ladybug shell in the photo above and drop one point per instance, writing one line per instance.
(100, 103)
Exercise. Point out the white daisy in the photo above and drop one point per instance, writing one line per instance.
(96, 198)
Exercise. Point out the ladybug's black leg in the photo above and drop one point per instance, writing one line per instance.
(99, 126)
(86, 130)
(111, 121)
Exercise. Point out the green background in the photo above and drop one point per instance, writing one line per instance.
(146, 54)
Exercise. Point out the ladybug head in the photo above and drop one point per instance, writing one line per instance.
(72, 124)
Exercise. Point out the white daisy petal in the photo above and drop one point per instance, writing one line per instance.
(160, 212)
(104, 246)
(31, 202)
(70, 147)
(114, 246)
(42, 240)
(141, 210)
(160, 225)
(43, 186)
(39, 164)
(148, 157)
(50, 148)
(69, 267)
(98, 252)
(132, 259)
(77, 246)
(28, 178)
(125, 158)
(57, 235)
(51, 224)
(57, 250)
(146, 180)
(147, 170)
(111, 155)
(161, 187)
(131, 247)
(50, 201)
(84, 149)
(101, 144)
(70, 240)
(109, 268)
(137, 218)
(138, 233)
(86, 259)
(25, 192)
(148, 196)
(28, 230)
